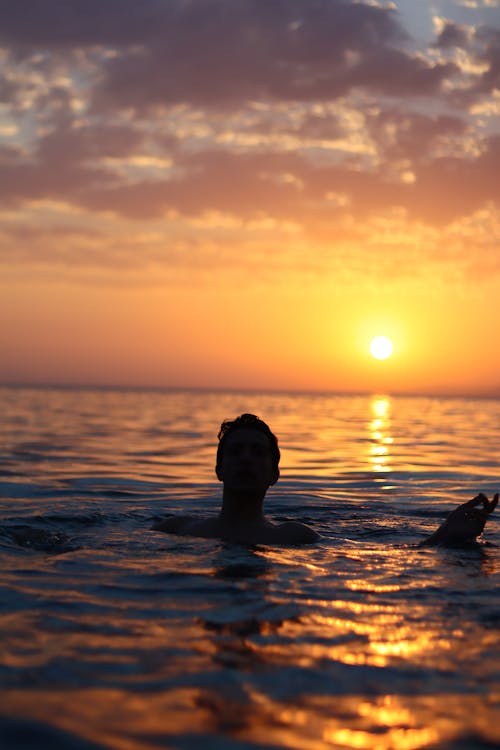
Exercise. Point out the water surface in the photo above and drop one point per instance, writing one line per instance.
(114, 636)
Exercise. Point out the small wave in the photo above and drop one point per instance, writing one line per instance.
(42, 540)
(23, 734)
(113, 485)
(23, 490)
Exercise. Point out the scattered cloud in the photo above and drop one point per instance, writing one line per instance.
(215, 127)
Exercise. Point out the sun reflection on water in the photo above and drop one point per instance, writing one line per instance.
(380, 437)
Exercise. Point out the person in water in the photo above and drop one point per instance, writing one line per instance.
(248, 464)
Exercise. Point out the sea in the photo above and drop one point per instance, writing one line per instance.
(116, 636)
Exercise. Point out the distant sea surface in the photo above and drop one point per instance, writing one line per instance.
(115, 636)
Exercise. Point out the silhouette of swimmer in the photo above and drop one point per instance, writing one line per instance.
(248, 464)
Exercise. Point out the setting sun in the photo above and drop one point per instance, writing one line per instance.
(381, 347)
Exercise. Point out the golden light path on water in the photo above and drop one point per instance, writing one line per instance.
(380, 434)
(244, 713)
(384, 723)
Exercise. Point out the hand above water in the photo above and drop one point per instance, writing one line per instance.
(465, 523)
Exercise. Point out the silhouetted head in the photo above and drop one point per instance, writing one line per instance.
(247, 422)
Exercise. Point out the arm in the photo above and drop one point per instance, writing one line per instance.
(464, 524)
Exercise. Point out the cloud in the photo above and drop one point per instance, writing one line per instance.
(53, 25)
(403, 134)
(286, 185)
(453, 35)
(302, 123)
(490, 57)
(7, 90)
(450, 187)
(225, 54)
(476, 51)
(218, 53)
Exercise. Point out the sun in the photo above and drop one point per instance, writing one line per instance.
(381, 347)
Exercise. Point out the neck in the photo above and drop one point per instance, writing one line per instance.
(240, 507)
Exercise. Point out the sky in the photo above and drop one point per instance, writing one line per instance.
(243, 193)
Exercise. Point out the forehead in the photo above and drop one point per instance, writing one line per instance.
(242, 435)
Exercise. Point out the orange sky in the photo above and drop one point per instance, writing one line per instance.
(243, 193)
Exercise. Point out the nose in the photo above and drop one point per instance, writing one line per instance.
(246, 453)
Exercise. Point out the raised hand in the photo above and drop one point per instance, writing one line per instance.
(465, 523)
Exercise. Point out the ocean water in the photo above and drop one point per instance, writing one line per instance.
(115, 636)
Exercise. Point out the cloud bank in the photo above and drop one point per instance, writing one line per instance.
(216, 131)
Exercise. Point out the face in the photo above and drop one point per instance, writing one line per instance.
(247, 464)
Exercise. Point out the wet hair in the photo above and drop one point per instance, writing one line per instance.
(247, 422)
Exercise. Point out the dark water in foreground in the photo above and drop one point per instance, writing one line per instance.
(113, 636)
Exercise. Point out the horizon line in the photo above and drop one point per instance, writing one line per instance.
(55, 385)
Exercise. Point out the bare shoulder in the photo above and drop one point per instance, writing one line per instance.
(294, 532)
(289, 532)
(172, 524)
(188, 526)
